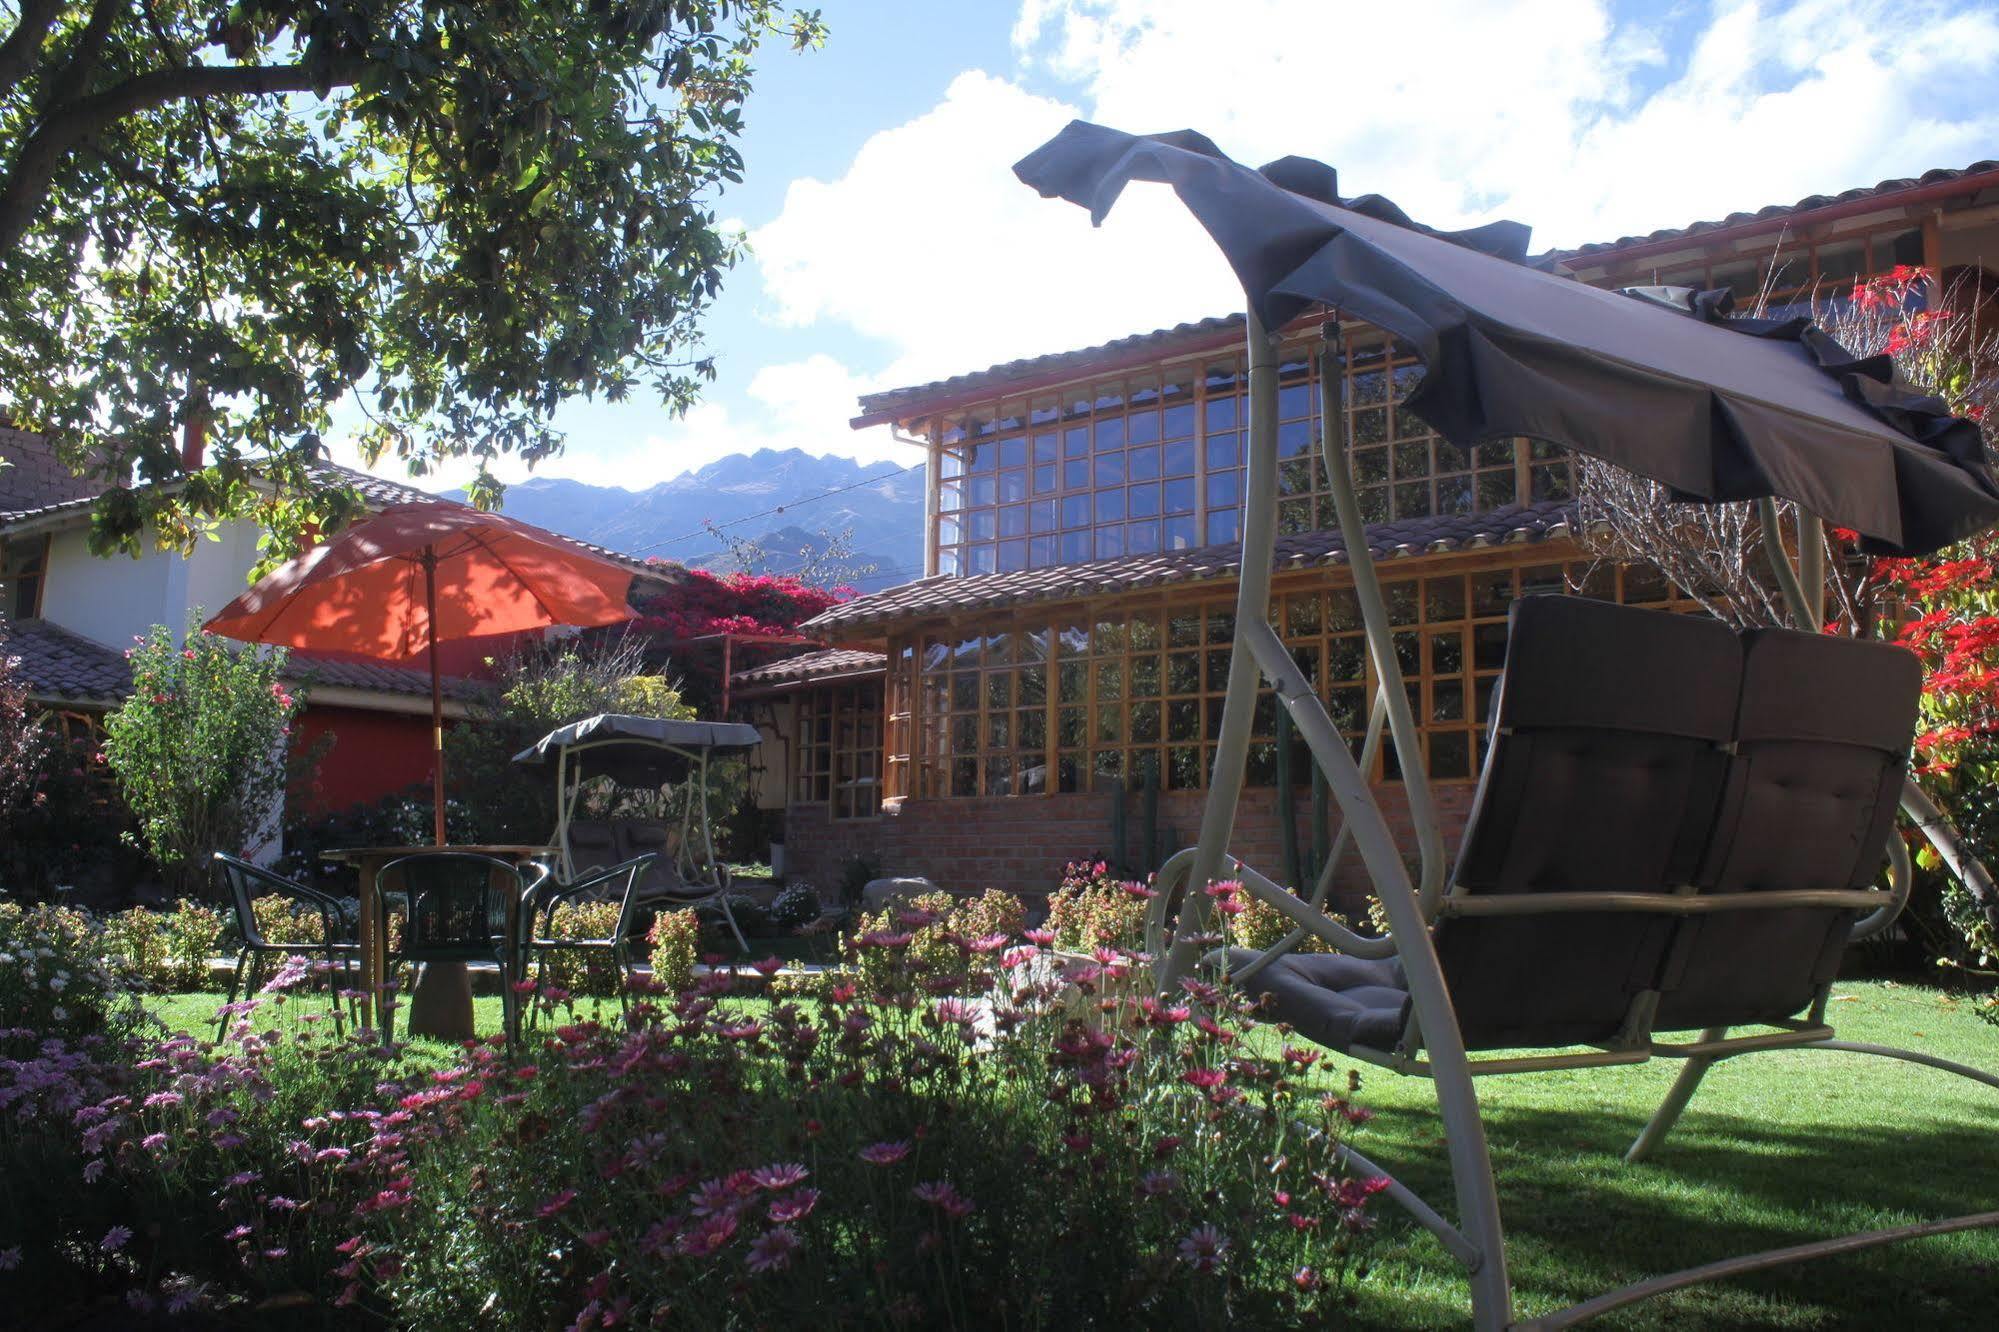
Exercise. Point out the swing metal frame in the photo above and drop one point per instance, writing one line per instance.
(1477, 1239)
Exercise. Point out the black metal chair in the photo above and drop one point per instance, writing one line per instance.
(243, 883)
(620, 882)
(456, 906)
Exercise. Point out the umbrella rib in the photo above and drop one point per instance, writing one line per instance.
(481, 542)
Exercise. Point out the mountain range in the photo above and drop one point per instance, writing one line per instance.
(779, 508)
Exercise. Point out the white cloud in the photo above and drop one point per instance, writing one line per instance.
(929, 244)
(1548, 111)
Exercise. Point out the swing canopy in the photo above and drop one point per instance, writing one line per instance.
(1675, 828)
(1655, 380)
(636, 751)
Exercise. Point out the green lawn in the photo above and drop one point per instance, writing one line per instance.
(1776, 1149)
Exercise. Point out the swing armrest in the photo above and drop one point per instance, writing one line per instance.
(1301, 913)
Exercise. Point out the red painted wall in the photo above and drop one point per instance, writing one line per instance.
(373, 754)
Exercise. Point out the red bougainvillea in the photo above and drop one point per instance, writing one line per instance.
(1947, 603)
(700, 604)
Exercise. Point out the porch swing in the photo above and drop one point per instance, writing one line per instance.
(1677, 827)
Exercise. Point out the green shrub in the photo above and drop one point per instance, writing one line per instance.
(583, 973)
(164, 950)
(675, 939)
(1256, 924)
(199, 749)
(938, 932)
(1093, 908)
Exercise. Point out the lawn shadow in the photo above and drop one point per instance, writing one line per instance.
(1580, 1221)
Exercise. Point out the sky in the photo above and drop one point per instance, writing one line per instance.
(891, 244)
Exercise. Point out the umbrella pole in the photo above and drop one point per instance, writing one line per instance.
(436, 695)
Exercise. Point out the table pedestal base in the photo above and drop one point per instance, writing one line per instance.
(441, 1003)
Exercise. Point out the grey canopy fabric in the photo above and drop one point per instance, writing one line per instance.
(637, 751)
(1661, 385)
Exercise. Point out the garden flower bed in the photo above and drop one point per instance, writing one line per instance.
(725, 1156)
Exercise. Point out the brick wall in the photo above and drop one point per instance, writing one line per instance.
(1021, 843)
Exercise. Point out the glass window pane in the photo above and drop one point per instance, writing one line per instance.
(1110, 469)
(1110, 505)
(1179, 496)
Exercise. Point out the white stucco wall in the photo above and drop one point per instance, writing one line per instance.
(111, 600)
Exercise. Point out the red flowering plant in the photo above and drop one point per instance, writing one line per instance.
(699, 603)
(1944, 607)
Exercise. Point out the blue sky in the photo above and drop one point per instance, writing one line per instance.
(892, 244)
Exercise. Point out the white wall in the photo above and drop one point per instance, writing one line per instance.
(113, 599)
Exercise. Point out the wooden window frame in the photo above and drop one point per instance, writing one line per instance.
(1055, 437)
(1134, 684)
(10, 578)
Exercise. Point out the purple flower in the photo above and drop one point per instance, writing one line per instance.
(10, 1258)
(115, 1239)
(884, 1153)
(772, 1250)
(779, 1177)
(1203, 1247)
(941, 1194)
(794, 1206)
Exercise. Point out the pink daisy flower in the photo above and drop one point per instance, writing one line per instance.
(884, 1153)
(1203, 1247)
(794, 1206)
(772, 1251)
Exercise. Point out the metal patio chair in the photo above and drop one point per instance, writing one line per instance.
(618, 883)
(1676, 829)
(243, 883)
(457, 906)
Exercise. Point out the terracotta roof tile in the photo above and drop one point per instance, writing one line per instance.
(1804, 205)
(813, 666)
(58, 664)
(55, 663)
(1067, 582)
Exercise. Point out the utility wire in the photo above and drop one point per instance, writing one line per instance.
(706, 528)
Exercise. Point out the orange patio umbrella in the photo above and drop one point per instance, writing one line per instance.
(396, 585)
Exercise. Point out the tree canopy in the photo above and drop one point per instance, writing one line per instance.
(219, 219)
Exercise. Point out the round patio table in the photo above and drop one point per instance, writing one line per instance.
(441, 1003)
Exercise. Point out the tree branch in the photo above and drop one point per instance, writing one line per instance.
(67, 127)
(74, 76)
(22, 50)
